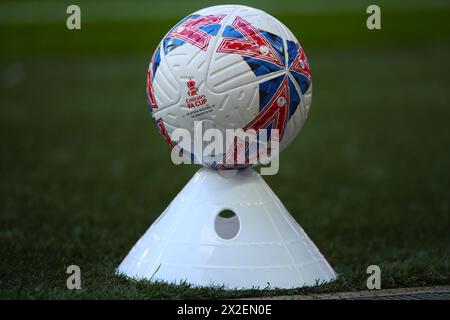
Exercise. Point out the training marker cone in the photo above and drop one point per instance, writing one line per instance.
(260, 246)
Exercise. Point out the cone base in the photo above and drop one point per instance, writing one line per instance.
(260, 246)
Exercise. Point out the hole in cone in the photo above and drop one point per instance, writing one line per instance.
(227, 224)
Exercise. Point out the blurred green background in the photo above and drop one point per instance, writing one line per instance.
(83, 172)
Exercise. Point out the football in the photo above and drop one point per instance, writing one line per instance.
(229, 67)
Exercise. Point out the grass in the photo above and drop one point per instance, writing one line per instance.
(83, 172)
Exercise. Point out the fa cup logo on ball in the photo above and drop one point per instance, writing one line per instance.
(249, 100)
(191, 87)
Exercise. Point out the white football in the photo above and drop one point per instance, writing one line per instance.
(229, 67)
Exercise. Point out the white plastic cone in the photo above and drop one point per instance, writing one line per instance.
(262, 245)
